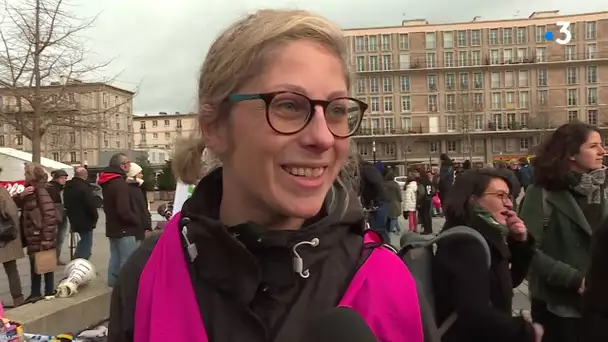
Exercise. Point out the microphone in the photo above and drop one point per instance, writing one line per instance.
(338, 325)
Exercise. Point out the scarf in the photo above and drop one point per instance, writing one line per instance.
(486, 217)
(589, 184)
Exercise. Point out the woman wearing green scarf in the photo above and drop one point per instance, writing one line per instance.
(482, 298)
(564, 206)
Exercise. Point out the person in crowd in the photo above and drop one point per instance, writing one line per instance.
(394, 196)
(81, 207)
(373, 197)
(463, 284)
(563, 206)
(11, 251)
(55, 189)
(446, 177)
(122, 222)
(409, 203)
(525, 173)
(274, 108)
(40, 221)
(139, 204)
(513, 182)
(424, 203)
(595, 296)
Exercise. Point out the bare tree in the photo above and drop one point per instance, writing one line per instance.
(42, 62)
(541, 120)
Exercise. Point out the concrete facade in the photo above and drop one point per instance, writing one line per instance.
(481, 89)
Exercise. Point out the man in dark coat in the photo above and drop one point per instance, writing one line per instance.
(122, 223)
(81, 210)
(55, 190)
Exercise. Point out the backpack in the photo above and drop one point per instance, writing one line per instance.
(420, 192)
(417, 253)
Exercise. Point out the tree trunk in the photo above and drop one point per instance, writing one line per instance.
(36, 139)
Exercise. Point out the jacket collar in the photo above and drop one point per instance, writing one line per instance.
(564, 202)
(238, 259)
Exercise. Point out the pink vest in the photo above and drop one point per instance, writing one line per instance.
(382, 291)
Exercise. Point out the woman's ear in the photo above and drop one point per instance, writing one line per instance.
(213, 130)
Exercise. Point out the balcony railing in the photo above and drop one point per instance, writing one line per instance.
(419, 61)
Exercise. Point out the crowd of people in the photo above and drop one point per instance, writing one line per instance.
(38, 219)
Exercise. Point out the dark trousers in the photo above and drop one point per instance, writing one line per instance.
(424, 213)
(49, 281)
(379, 221)
(557, 329)
(14, 282)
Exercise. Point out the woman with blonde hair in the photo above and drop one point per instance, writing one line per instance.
(275, 236)
(39, 220)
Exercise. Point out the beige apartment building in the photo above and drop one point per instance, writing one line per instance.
(108, 109)
(156, 133)
(482, 89)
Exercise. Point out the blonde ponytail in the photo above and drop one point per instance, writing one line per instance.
(187, 163)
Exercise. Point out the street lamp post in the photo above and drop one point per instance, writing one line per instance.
(374, 150)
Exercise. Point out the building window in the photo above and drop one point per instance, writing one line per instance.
(450, 103)
(387, 62)
(450, 80)
(434, 147)
(431, 60)
(386, 42)
(432, 82)
(373, 63)
(448, 40)
(375, 105)
(475, 37)
(2, 140)
(19, 140)
(572, 115)
(464, 80)
(462, 38)
(541, 54)
(372, 43)
(540, 34)
(590, 30)
(507, 36)
(388, 105)
(406, 124)
(387, 84)
(406, 103)
(572, 97)
(154, 123)
(404, 83)
(373, 84)
(450, 123)
(475, 58)
(592, 96)
(523, 78)
(404, 41)
(542, 77)
(154, 135)
(167, 135)
(524, 143)
(478, 80)
(167, 123)
(72, 136)
(142, 125)
(430, 40)
(359, 44)
(521, 35)
(55, 156)
(432, 102)
(451, 146)
(570, 52)
(448, 59)
(590, 51)
(361, 85)
(73, 157)
(463, 58)
(592, 117)
(571, 75)
(592, 74)
(360, 63)
(478, 122)
(493, 37)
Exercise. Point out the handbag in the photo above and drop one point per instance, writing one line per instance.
(8, 231)
(45, 261)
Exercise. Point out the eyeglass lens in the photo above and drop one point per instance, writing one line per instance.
(289, 113)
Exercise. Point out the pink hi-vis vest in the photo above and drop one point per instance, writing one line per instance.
(382, 291)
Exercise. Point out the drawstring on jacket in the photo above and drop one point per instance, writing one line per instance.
(298, 262)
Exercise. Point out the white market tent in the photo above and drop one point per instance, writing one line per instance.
(12, 161)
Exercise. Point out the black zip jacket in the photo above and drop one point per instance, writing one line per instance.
(243, 276)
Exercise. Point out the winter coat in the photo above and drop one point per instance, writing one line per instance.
(12, 250)
(39, 220)
(411, 193)
(121, 220)
(395, 197)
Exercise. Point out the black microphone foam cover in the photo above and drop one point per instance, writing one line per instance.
(338, 325)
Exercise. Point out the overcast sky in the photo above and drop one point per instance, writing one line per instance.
(159, 45)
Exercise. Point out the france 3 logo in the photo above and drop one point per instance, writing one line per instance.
(564, 37)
